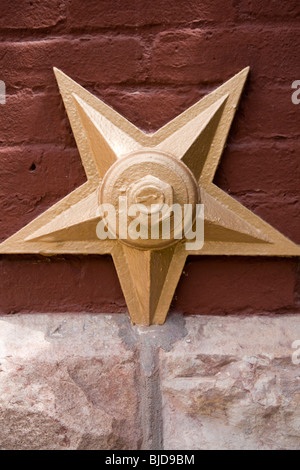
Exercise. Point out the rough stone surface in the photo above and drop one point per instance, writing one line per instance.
(96, 382)
(66, 383)
(231, 384)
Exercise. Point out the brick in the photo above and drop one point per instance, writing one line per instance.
(265, 178)
(34, 118)
(281, 210)
(66, 284)
(31, 14)
(231, 384)
(178, 57)
(200, 56)
(113, 13)
(107, 60)
(212, 286)
(150, 109)
(272, 10)
(265, 112)
(59, 284)
(31, 180)
(67, 383)
(261, 167)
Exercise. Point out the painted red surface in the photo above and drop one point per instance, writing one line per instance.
(150, 61)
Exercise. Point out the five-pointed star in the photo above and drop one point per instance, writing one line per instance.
(149, 277)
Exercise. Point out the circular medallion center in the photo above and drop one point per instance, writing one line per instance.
(153, 181)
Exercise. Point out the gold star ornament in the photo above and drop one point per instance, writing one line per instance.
(173, 166)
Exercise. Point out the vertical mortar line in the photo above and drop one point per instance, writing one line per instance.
(150, 396)
(146, 342)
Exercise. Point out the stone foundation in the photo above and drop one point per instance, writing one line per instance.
(96, 382)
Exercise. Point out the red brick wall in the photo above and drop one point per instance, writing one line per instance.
(150, 60)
